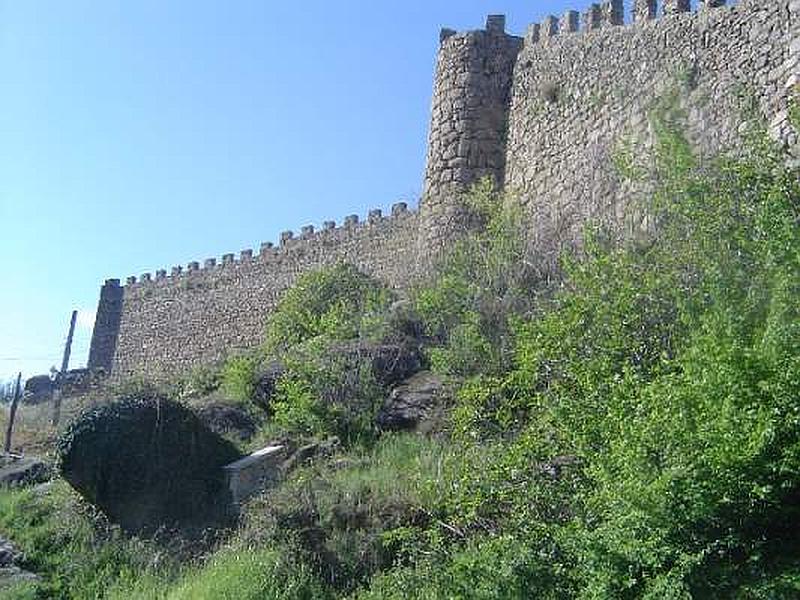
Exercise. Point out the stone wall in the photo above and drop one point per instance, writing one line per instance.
(188, 317)
(582, 97)
(545, 116)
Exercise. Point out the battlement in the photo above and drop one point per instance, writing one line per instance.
(495, 26)
(611, 14)
(289, 242)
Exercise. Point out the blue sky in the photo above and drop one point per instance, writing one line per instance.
(144, 134)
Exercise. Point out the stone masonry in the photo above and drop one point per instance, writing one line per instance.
(544, 115)
(582, 99)
(197, 315)
(469, 118)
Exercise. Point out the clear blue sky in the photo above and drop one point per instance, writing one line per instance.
(144, 134)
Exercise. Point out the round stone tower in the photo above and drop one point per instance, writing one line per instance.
(469, 120)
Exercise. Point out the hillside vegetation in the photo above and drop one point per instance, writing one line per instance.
(626, 428)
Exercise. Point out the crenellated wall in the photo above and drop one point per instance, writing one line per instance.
(581, 99)
(546, 116)
(184, 317)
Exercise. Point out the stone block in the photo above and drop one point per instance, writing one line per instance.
(253, 473)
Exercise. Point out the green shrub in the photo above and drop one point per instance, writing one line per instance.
(201, 381)
(487, 568)
(337, 302)
(794, 107)
(327, 390)
(239, 376)
(668, 368)
(482, 284)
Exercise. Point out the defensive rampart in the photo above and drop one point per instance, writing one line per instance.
(164, 323)
(582, 97)
(546, 115)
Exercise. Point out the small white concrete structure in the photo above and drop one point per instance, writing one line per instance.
(253, 473)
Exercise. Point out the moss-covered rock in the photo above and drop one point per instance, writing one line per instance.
(148, 462)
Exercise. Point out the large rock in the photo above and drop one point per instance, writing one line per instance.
(10, 572)
(391, 363)
(79, 381)
(38, 389)
(266, 384)
(23, 471)
(148, 462)
(225, 419)
(410, 404)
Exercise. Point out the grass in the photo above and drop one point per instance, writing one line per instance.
(357, 506)
(33, 431)
(73, 549)
(349, 515)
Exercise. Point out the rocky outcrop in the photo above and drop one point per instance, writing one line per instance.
(23, 471)
(266, 384)
(38, 389)
(391, 363)
(225, 419)
(11, 573)
(416, 401)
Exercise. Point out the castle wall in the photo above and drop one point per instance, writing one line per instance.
(193, 316)
(547, 117)
(582, 98)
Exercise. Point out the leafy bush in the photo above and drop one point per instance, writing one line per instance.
(482, 285)
(669, 369)
(491, 568)
(329, 387)
(239, 376)
(327, 390)
(337, 302)
(201, 381)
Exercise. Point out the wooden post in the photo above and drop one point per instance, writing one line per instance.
(12, 414)
(63, 372)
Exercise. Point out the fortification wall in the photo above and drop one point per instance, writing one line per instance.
(173, 321)
(545, 116)
(583, 89)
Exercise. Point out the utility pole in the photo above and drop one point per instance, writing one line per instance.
(12, 414)
(63, 372)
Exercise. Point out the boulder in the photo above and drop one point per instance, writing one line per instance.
(391, 363)
(227, 419)
(409, 404)
(8, 554)
(404, 321)
(148, 462)
(79, 381)
(303, 454)
(266, 383)
(23, 471)
(38, 389)
(10, 573)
